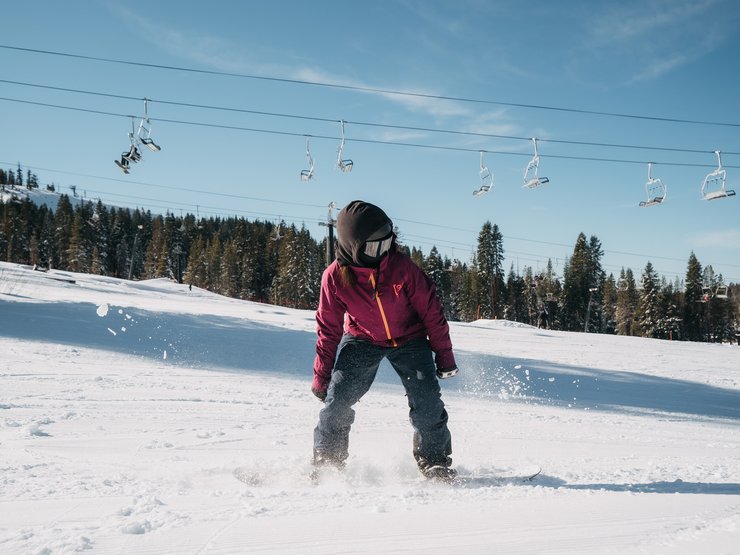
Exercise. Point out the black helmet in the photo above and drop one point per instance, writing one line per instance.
(358, 225)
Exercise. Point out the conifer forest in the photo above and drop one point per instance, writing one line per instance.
(282, 264)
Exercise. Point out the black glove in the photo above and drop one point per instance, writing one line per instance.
(443, 373)
(320, 394)
(320, 384)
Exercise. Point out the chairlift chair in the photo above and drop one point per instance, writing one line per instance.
(486, 179)
(714, 183)
(307, 175)
(655, 189)
(532, 179)
(344, 165)
(144, 135)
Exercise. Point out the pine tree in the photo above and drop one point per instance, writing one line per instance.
(230, 278)
(609, 305)
(196, 271)
(583, 280)
(213, 264)
(16, 235)
(100, 233)
(80, 248)
(693, 313)
(576, 284)
(515, 308)
(670, 314)
(648, 316)
(455, 307)
(417, 256)
(63, 219)
(490, 256)
(535, 293)
(155, 258)
(434, 268)
(627, 298)
(46, 241)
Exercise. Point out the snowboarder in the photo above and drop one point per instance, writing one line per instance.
(375, 303)
(542, 320)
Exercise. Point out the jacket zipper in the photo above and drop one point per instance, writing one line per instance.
(382, 312)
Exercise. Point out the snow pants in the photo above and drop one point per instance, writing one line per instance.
(354, 372)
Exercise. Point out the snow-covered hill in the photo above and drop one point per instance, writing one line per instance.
(41, 196)
(127, 407)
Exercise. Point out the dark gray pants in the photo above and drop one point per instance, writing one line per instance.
(354, 372)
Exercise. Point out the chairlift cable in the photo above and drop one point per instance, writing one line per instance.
(172, 187)
(365, 123)
(367, 89)
(220, 211)
(396, 219)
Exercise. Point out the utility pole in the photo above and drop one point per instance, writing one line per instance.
(330, 221)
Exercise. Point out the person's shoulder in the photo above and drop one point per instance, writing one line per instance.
(398, 257)
(402, 263)
(331, 272)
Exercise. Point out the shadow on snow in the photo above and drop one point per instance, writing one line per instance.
(228, 343)
(543, 382)
(193, 340)
(677, 486)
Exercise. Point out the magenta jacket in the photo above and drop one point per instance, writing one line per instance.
(388, 306)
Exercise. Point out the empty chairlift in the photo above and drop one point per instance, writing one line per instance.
(307, 175)
(486, 179)
(145, 131)
(344, 165)
(532, 179)
(713, 186)
(655, 189)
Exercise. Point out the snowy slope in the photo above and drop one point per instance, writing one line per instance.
(41, 197)
(126, 408)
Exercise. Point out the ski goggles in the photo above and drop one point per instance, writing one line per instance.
(376, 249)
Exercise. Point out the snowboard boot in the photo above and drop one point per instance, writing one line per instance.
(323, 463)
(437, 469)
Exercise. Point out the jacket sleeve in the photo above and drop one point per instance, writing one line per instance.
(427, 305)
(329, 325)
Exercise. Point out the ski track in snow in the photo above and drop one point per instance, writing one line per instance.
(129, 442)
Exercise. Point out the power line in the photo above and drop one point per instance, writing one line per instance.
(512, 256)
(322, 206)
(365, 89)
(172, 187)
(362, 123)
(366, 141)
(218, 211)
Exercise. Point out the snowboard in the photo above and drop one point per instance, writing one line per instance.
(498, 478)
(460, 478)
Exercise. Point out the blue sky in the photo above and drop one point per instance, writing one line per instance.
(526, 70)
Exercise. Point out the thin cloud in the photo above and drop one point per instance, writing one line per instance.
(729, 239)
(664, 35)
(222, 55)
(625, 22)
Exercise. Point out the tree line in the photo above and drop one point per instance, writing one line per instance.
(282, 264)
